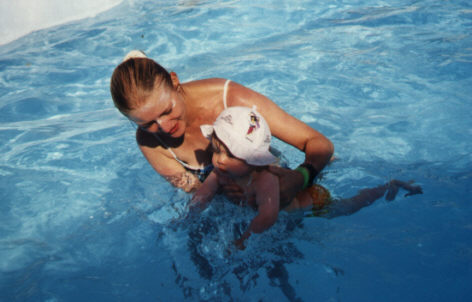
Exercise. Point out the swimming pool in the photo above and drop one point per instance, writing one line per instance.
(83, 216)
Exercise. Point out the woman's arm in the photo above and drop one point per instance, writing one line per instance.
(167, 166)
(317, 148)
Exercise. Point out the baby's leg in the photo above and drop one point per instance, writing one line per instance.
(366, 197)
(301, 202)
(306, 199)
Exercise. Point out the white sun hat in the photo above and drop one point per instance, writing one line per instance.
(245, 133)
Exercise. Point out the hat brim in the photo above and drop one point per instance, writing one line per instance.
(259, 158)
(207, 131)
(262, 158)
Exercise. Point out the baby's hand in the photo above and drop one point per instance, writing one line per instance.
(237, 244)
(240, 244)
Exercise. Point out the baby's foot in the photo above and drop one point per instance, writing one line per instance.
(412, 190)
(392, 190)
(395, 184)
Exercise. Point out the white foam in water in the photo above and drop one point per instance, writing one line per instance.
(20, 17)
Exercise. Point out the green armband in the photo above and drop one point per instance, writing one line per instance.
(309, 174)
(306, 175)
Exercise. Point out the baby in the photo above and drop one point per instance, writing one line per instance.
(240, 139)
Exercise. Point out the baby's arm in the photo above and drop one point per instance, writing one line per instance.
(268, 205)
(205, 193)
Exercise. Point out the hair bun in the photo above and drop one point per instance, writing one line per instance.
(134, 54)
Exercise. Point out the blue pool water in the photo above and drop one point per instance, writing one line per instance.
(85, 218)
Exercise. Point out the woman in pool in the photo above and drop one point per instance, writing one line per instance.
(169, 115)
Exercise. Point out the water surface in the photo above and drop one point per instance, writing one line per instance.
(85, 217)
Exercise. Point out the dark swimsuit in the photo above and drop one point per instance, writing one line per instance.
(201, 172)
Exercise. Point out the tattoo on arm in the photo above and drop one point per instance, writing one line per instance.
(185, 181)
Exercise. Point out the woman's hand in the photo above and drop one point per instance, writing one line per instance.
(231, 190)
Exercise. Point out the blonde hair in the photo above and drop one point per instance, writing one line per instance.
(134, 79)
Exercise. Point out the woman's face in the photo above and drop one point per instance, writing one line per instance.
(163, 112)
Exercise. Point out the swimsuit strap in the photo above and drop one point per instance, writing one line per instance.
(225, 93)
(182, 162)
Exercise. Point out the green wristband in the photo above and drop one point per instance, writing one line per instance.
(306, 175)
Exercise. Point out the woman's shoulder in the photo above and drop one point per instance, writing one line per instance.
(210, 83)
(215, 89)
(216, 85)
(204, 91)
